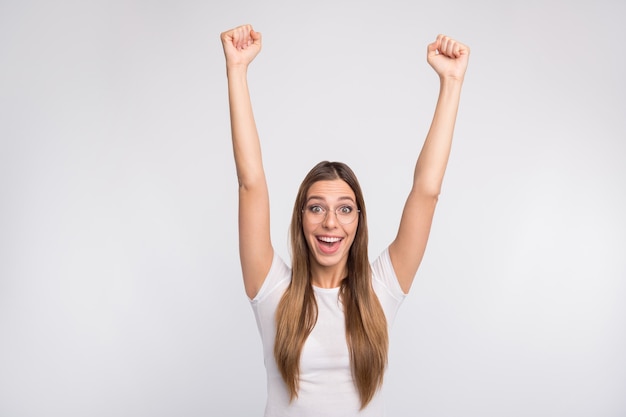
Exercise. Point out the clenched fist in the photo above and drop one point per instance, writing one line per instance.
(241, 45)
(448, 57)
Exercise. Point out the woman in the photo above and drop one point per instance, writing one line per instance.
(324, 320)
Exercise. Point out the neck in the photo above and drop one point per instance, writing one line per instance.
(328, 277)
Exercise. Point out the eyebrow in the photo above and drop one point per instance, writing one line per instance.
(344, 198)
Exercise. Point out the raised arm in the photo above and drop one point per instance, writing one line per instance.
(241, 45)
(449, 59)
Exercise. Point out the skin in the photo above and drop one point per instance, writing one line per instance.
(449, 59)
(328, 262)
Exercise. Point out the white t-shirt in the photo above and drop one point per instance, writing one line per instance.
(326, 385)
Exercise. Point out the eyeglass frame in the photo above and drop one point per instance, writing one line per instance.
(327, 210)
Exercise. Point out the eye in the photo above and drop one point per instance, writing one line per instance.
(316, 209)
(345, 210)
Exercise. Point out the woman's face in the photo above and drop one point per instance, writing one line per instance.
(329, 221)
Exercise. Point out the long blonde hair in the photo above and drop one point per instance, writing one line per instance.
(366, 326)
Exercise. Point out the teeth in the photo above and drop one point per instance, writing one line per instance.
(330, 239)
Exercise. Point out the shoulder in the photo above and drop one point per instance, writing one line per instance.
(384, 275)
(386, 286)
(277, 280)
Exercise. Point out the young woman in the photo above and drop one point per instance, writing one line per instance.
(324, 319)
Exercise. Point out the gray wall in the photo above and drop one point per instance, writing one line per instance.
(120, 288)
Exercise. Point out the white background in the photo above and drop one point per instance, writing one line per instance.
(120, 288)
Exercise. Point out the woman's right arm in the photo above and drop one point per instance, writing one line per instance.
(241, 45)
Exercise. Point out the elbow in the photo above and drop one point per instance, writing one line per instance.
(247, 183)
(427, 191)
(424, 197)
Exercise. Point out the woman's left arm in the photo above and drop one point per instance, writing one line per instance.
(449, 59)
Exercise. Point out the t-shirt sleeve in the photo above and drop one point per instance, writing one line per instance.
(265, 302)
(386, 286)
(279, 273)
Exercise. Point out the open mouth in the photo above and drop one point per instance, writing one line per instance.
(329, 243)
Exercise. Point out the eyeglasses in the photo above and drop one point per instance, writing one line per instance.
(345, 214)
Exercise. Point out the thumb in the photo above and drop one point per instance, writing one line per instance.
(256, 36)
(432, 48)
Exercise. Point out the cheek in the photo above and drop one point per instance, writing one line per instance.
(354, 228)
(306, 228)
(308, 232)
(351, 233)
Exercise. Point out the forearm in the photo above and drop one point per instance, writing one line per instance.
(433, 159)
(245, 138)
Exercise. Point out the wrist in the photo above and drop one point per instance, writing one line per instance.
(451, 81)
(236, 69)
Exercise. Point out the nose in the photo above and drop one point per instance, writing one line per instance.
(330, 219)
